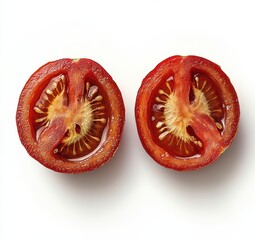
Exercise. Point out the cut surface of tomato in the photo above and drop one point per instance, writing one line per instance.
(71, 115)
(187, 112)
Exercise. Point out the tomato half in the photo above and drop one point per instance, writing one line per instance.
(187, 112)
(70, 115)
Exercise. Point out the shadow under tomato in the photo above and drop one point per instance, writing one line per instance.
(210, 191)
(100, 188)
(215, 176)
(105, 175)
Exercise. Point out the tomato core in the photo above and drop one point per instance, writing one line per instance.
(86, 119)
(170, 118)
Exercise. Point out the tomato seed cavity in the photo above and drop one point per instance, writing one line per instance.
(86, 122)
(171, 120)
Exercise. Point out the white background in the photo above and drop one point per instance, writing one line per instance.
(131, 197)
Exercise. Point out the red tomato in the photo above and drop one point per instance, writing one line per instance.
(70, 115)
(187, 112)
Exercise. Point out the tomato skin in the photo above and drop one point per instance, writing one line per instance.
(41, 148)
(214, 143)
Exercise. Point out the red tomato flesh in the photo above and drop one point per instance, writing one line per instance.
(187, 112)
(71, 115)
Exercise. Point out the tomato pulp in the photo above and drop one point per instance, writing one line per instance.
(187, 112)
(70, 115)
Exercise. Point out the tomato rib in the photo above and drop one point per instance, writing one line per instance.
(51, 136)
(182, 85)
(76, 81)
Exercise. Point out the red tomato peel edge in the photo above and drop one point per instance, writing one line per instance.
(187, 112)
(70, 115)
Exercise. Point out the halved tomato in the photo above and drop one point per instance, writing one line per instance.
(187, 112)
(70, 115)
